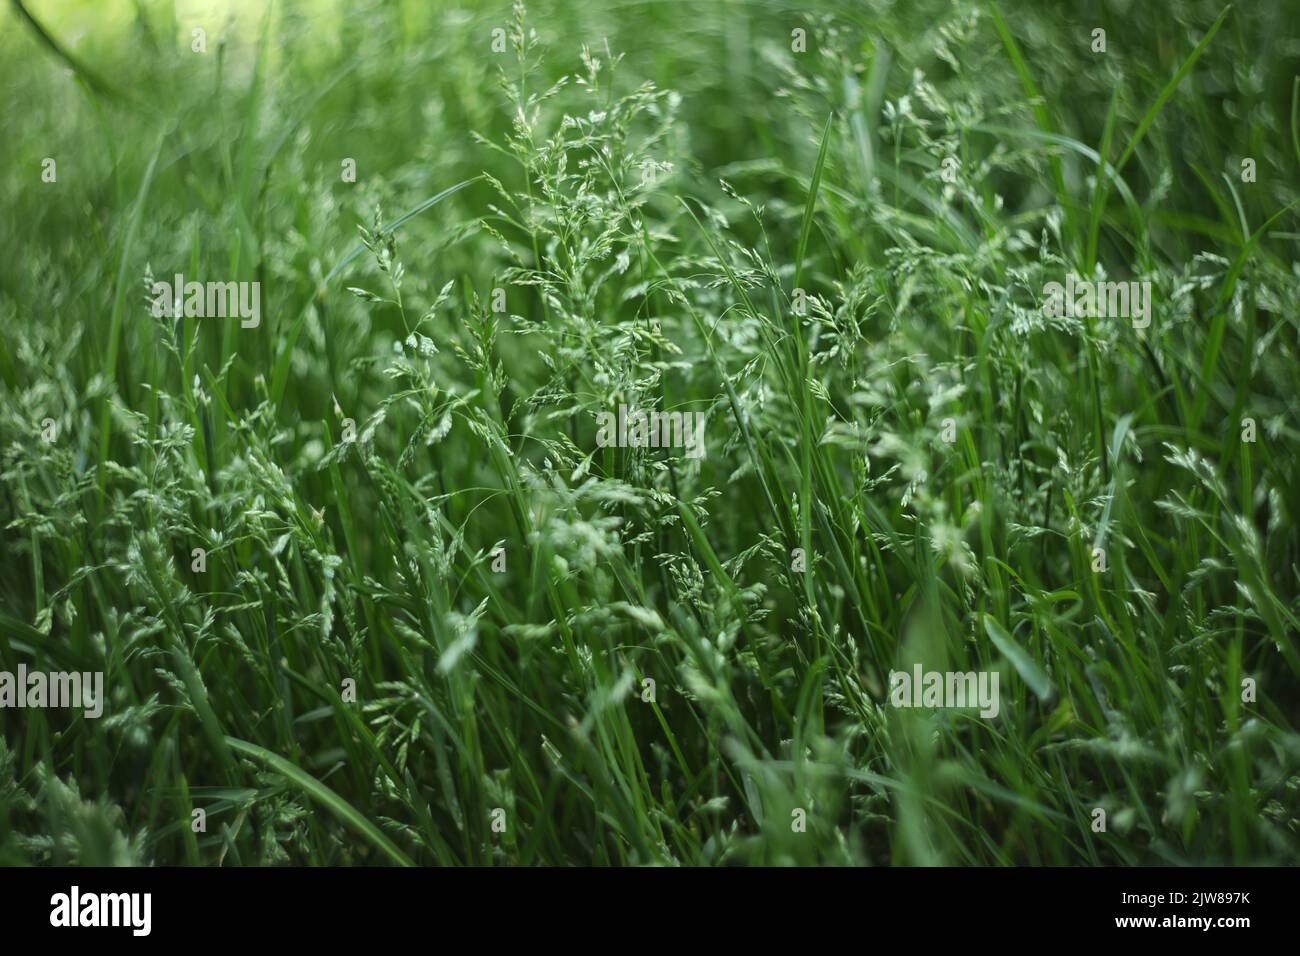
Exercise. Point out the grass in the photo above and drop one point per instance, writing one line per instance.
(435, 622)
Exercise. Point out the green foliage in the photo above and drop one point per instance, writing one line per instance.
(686, 215)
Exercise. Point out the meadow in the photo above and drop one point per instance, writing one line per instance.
(373, 580)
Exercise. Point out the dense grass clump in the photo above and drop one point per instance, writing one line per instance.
(366, 586)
